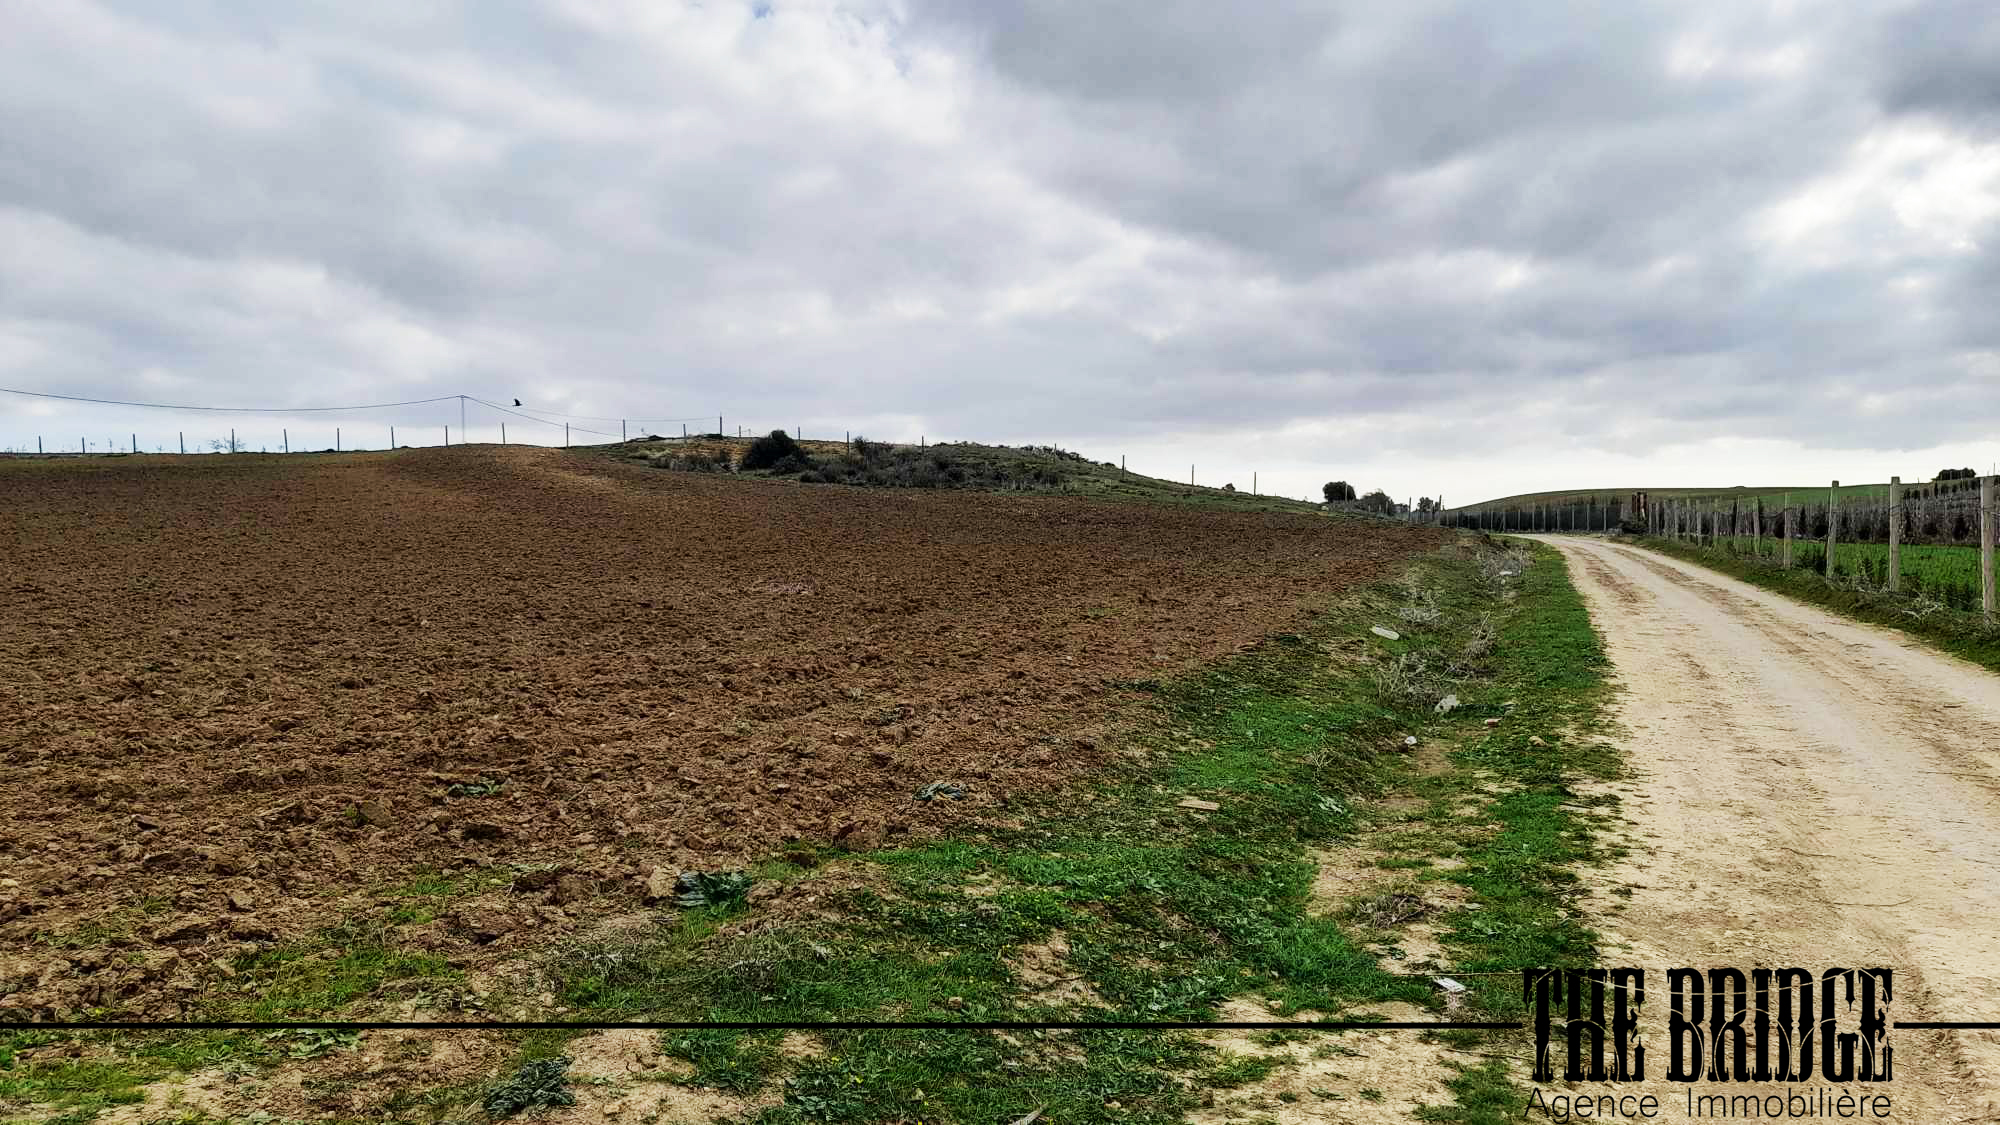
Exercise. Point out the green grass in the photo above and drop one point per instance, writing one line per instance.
(297, 982)
(1948, 574)
(1959, 632)
(78, 1087)
(319, 978)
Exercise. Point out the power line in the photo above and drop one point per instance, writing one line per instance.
(234, 409)
(532, 418)
(362, 406)
(594, 417)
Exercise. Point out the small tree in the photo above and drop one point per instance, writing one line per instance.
(1378, 502)
(1426, 504)
(1957, 474)
(770, 451)
(1337, 491)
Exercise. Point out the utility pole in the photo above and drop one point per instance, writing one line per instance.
(461, 422)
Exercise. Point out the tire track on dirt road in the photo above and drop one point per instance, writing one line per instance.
(1808, 791)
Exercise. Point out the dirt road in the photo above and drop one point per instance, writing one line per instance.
(1810, 792)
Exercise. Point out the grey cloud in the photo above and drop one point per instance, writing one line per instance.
(1034, 220)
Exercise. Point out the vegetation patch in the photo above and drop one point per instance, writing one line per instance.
(949, 465)
(1859, 596)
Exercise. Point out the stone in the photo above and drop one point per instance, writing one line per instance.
(536, 880)
(659, 885)
(373, 812)
(225, 862)
(1447, 705)
(184, 929)
(860, 835)
(1198, 803)
(1492, 722)
(570, 890)
(1385, 633)
(485, 926)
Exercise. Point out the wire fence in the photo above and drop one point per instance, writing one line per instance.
(457, 419)
(1934, 540)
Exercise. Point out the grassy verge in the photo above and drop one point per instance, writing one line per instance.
(1955, 631)
(1116, 902)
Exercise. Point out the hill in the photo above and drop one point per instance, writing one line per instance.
(1606, 495)
(952, 465)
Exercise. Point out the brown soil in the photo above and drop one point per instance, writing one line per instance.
(238, 688)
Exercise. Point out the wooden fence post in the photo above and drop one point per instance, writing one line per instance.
(1987, 518)
(1895, 533)
(1790, 525)
(1832, 524)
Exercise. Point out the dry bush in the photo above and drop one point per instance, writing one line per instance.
(1423, 608)
(1409, 680)
(1479, 643)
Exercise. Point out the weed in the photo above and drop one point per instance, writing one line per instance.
(540, 1083)
(740, 1062)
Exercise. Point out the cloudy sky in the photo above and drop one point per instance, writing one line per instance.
(1435, 246)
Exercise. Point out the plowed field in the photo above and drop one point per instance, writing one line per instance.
(233, 689)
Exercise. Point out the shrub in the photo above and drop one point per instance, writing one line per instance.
(867, 452)
(692, 461)
(768, 451)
